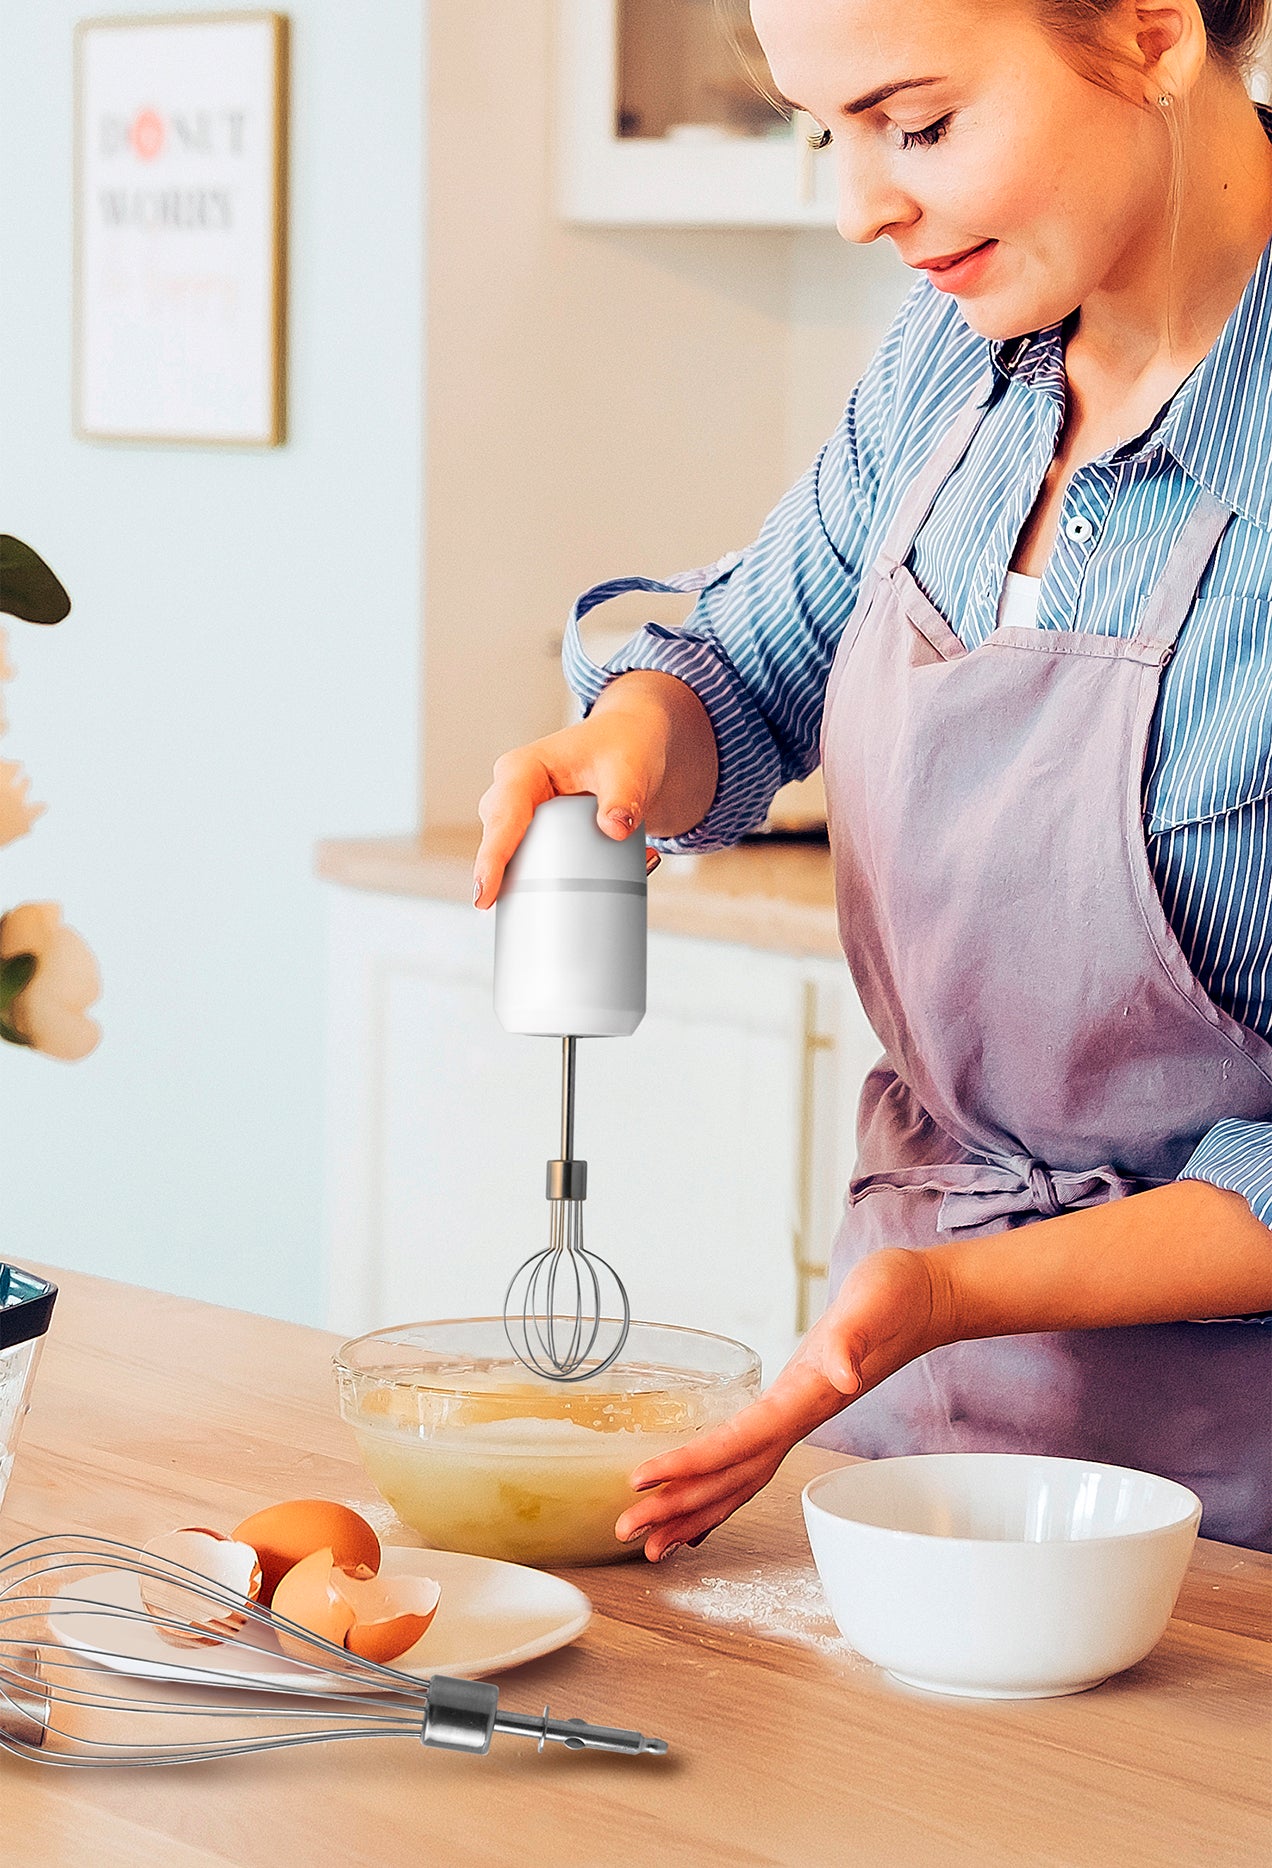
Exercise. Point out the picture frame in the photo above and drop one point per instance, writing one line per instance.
(180, 229)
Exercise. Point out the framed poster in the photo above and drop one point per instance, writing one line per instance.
(180, 228)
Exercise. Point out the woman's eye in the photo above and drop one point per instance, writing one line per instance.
(820, 141)
(924, 139)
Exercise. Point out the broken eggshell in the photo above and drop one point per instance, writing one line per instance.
(284, 1535)
(375, 1617)
(184, 1617)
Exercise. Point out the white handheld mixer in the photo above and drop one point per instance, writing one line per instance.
(570, 956)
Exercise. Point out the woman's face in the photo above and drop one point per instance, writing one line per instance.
(989, 145)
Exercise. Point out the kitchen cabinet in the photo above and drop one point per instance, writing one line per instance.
(666, 117)
(719, 1137)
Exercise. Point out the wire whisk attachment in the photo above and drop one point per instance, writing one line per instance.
(559, 1302)
(70, 1608)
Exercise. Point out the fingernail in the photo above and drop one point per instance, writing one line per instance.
(646, 1485)
(624, 819)
(629, 1537)
(670, 1551)
(478, 885)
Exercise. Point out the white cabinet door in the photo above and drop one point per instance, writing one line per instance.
(718, 1137)
(840, 1048)
(438, 1120)
(691, 1127)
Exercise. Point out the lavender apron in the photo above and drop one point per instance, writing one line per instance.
(1047, 1044)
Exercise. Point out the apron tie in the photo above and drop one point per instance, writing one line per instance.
(1042, 1189)
(996, 1187)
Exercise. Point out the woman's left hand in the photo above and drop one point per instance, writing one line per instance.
(891, 1308)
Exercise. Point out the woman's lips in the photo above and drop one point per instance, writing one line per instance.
(954, 270)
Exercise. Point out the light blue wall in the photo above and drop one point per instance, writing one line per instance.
(237, 679)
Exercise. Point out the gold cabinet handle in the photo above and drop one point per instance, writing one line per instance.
(808, 1269)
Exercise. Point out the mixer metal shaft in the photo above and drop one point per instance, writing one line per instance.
(567, 1178)
(569, 1047)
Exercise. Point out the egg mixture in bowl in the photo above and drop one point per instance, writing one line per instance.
(476, 1453)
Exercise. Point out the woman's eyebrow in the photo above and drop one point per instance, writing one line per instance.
(879, 95)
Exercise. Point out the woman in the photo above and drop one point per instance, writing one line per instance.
(1050, 792)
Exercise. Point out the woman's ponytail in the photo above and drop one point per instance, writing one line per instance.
(1235, 29)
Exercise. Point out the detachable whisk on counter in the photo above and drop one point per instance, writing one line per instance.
(64, 1622)
(570, 954)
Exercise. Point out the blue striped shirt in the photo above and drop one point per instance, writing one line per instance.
(758, 646)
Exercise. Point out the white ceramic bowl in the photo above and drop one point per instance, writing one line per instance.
(1000, 1575)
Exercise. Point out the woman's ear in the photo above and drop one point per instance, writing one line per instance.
(1172, 43)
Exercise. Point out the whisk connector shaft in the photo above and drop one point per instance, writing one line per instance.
(463, 1715)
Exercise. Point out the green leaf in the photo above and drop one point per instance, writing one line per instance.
(28, 589)
(16, 974)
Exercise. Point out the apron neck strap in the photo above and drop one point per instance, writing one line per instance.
(920, 495)
(1172, 596)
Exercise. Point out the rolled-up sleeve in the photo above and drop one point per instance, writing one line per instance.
(758, 645)
(1237, 1156)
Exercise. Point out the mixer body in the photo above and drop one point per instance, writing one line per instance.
(570, 927)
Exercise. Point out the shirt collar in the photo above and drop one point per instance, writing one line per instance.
(1214, 421)
(1217, 420)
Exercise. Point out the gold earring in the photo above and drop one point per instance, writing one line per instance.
(1164, 100)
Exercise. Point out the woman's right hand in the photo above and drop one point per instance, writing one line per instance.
(893, 1306)
(620, 754)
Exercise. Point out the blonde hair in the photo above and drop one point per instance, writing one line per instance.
(1234, 28)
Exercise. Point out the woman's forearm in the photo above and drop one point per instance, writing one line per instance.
(687, 742)
(1187, 1250)
(1182, 1251)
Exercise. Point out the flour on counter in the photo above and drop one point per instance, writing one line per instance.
(781, 1601)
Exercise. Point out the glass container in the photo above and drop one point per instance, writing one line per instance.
(26, 1304)
(694, 69)
(477, 1454)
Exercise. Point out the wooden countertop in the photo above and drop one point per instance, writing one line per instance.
(777, 895)
(153, 1411)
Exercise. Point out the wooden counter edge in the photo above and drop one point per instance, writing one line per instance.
(779, 899)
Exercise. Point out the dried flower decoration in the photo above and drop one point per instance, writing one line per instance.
(48, 977)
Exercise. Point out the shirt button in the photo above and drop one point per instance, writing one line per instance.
(1078, 529)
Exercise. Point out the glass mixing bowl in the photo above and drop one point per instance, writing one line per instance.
(476, 1453)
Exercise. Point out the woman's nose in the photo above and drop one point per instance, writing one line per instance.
(870, 203)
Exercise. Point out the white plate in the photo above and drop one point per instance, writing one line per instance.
(491, 1615)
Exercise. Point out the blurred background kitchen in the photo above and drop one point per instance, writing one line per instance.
(565, 300)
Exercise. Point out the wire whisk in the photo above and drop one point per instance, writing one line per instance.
(557, 1305)
(71, 1605)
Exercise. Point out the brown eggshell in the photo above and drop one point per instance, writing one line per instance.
(390, 1613)
(308, 1595)
(283, 1535)
(224, 1561)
